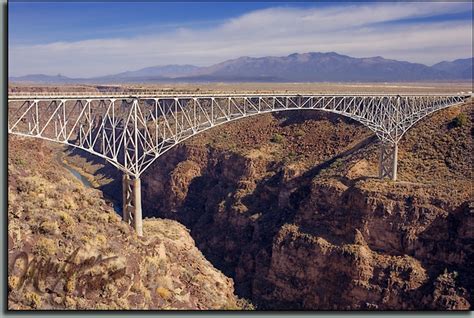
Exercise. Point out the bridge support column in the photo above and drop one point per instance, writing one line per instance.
(137, 202)
(132, 203)
(388, 160)
(126, 198)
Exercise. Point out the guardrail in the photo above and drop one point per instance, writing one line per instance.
(190, 94)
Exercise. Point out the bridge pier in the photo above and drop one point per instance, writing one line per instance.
(388, 160)
(132, 203)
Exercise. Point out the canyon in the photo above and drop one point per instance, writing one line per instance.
(68, 248)
(288, 206)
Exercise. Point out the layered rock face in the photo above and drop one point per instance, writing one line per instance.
(290, 207)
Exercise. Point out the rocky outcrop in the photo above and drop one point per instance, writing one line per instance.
(310, 272)
(68, 249)
(381, 243)
(322, 232)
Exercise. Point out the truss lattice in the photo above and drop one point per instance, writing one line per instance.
(131, 132)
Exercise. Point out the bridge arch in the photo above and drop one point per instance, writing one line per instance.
(131, 132)
(121, 167)
(221, 123)
(416, 117)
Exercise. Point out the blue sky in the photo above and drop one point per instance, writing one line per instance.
(84, 20)
(89, 39)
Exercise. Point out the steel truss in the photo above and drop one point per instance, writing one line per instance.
(131, 132)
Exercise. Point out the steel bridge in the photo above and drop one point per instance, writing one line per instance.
(132, 131)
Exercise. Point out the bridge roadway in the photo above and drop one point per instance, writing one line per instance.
(131, 130)
(192, 94)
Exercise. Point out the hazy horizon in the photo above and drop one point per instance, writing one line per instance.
(187, 64)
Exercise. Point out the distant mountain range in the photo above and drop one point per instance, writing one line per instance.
(306, 67)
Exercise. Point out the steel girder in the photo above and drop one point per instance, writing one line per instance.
(130, 132)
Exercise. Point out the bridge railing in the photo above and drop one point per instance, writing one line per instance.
(177, 94)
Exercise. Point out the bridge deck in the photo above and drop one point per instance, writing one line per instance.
(168, 95)
(131, 130)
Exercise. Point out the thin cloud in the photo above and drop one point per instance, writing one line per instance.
(354, 30)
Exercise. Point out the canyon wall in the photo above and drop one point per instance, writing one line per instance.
(289, 206)
(68, 249)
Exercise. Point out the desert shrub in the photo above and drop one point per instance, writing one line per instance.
(122, 304)
(337, 163)
(299, 133)
(101, 306)
(69, 203)
(240, 304)
(244, 304)
(111, 291)
(100, 217)
(460, 120)
(140, 289)
(292, 155)
(113, 218)
(277, 138)
(71, 283)
(19, 161)
(66, 218)
(49, 228)
(45, 247)
(33, 300)
(101, 239)
(13, 282)
(24, 185)
(164, 293)
(162, 267)
(69, 302)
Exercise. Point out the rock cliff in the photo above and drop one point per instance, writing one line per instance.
(290, 207)
(68, 249)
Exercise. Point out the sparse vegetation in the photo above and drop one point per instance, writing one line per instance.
(52, 216)
(460, 120)
(50, 227)
(277, 138)
(33, 299)
(337, 163)
(240, 208)
(13, 282)
(299, 132)
(245, 304)
(163, 293)
(19, 161)
(45, 247)
(66, 218)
